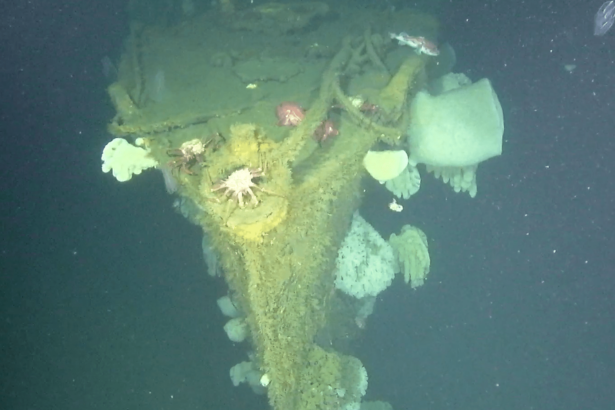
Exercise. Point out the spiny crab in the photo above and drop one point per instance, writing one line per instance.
(239, 183)
(189, 153)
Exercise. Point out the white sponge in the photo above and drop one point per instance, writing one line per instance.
(365, 264)
(237, 330)
(458, 128)
(124, 159)
(227, 307)
(247, 372)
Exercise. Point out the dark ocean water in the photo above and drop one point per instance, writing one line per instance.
(104, 303)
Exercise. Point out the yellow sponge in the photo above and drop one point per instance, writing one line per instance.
(385, 165)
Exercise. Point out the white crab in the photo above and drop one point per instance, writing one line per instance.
(240, 183)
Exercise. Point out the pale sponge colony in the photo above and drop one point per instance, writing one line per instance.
(125, 159)
(405, 184)
(411, 250)
(376, 405)
(365, 264)
(355, 381)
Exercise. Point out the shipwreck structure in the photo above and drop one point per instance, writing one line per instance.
(278, 206)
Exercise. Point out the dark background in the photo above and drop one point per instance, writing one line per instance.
(105, 303)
